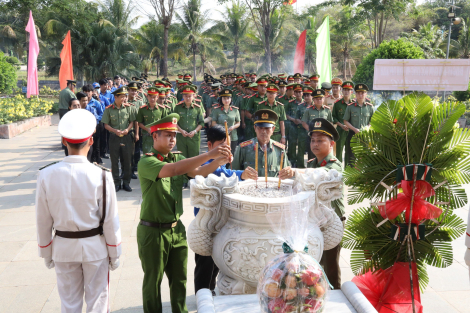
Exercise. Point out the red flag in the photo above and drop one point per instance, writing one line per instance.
(66, 67)
(290, 2)
(299, 58)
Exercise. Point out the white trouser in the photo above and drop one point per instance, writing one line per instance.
(74, 278)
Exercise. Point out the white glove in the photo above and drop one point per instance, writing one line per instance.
(113, 263)
(467, 257)
(49, 262)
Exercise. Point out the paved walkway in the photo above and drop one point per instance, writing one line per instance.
(27, 286)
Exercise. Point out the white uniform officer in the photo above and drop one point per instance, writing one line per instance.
(70, 199)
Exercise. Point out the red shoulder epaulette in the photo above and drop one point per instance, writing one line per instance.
(198, 100)
(245, 96)
(310, 160)
(262, 102)
(161, 105)
(111, 105)
(326, 107)
(333, 160)
(235, 107)
(149, 153)
(167, 106)
(126, 104)
(339, 100)
(212, 96)
(310, 106)
(368, 103)
(180, 102)
(278, 102)
(144, 106)
(279, 145)
(291, 100)
(197, 105)
(246, 143)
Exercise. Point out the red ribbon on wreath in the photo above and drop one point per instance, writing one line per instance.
(422, 210)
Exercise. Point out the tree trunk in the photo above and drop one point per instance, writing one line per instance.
(164, 70)
(235, 57)
(344, 61)
(194, 65)
(267, 49)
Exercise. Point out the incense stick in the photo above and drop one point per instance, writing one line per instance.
(266, 164)
(256, 163)
(280, 169)
(228, 139)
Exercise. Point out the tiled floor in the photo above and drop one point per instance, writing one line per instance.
(27, 286)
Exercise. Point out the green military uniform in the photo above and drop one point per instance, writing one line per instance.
(338, 113)
(249, 130)
(330, 258)
(358, 116)
(312, 112)
(302, 135)
(190, 118)
(65, 96)
(148, 115)
(232, 116)
(291, 127)
(120, 148)
(251, 105)
(277, 107)
(162, 248)
(245, 156)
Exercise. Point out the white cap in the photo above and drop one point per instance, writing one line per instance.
(77, 126)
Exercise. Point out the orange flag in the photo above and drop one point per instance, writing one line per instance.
(66, 67)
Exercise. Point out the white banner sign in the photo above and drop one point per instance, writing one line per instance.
(422, 75)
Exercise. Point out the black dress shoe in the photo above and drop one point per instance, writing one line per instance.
(100, 161)
(118, 187)
(105, 156)
(121, 176)
(134, 176)
(126, 187)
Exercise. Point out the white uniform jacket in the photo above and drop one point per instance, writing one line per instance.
(69, 198)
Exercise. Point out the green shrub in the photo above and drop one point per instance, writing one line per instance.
(463, 95)
(7, 75)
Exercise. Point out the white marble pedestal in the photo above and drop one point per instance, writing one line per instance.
(347, 300)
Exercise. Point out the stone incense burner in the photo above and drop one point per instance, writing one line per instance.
(232, 226)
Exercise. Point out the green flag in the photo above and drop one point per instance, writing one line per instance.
(323, 51)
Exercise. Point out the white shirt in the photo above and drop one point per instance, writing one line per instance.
(69, 198)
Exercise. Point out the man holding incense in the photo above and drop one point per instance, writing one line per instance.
(161, 236)
(251, 153)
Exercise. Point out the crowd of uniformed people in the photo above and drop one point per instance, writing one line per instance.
(154, 129)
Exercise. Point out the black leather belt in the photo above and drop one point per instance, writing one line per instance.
(80, 234)
(92, 232)
(159, 225)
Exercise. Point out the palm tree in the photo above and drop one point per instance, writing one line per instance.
(148, 40)
(119, 14)
(430, 38)
(195, 37)
(233, 27)
(461, 47)
(348, 35)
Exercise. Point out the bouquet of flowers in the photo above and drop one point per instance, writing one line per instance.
(293, 281)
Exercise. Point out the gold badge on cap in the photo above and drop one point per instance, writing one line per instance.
(188, 89)
(264, 116)
(317, 124)
(360, 87)
(174, 121)
(318, 92)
